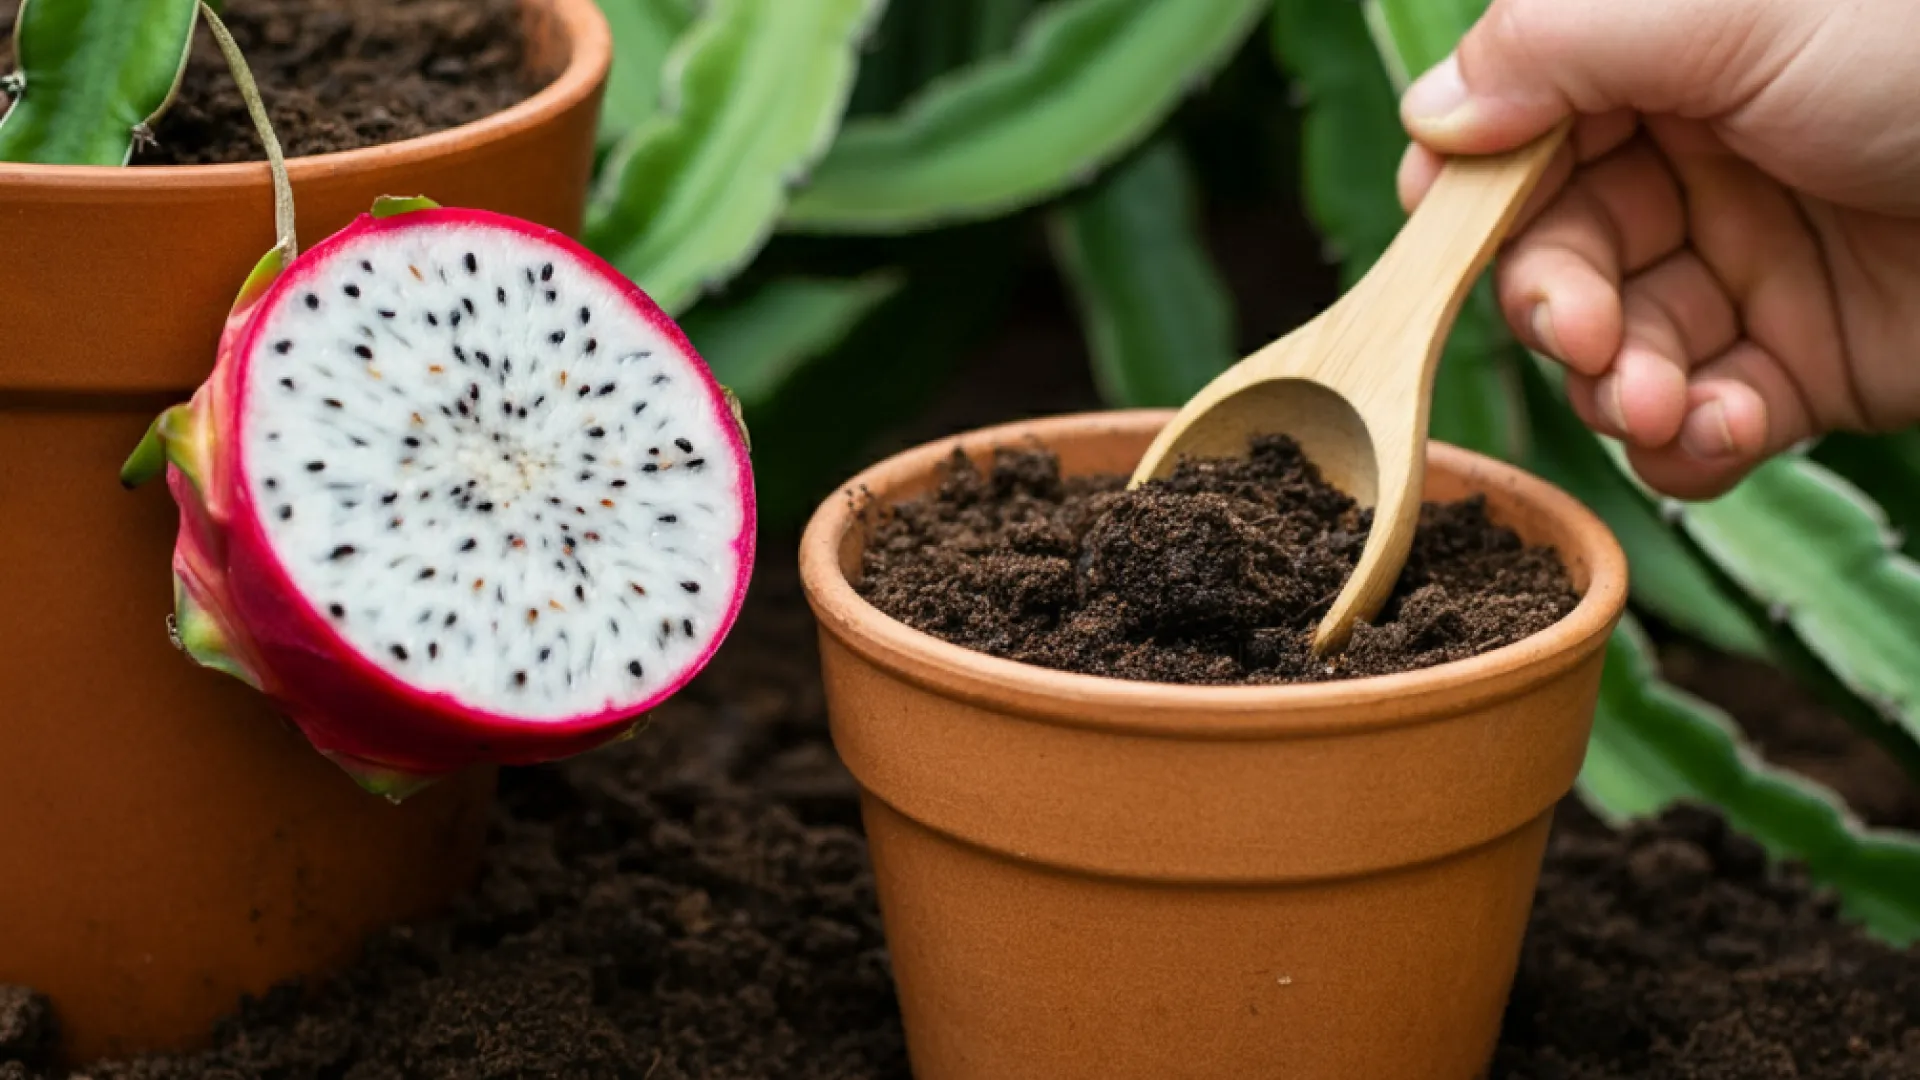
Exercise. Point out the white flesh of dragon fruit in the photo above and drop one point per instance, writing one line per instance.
(493, 472)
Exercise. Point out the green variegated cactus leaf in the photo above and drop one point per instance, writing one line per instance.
(93, 75)
(1821, 558)
(755, 93)
(759, 343)
(644, 32)
(1087, 81)
(1159, 320)
(1887, 469)
(1414, 35)
(1654, 746)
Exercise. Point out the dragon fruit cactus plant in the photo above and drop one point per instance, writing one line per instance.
(454, 492)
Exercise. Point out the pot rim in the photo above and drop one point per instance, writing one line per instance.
(589, 56)
(1203, 712)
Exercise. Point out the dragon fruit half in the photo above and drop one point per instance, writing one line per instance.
(455, 491)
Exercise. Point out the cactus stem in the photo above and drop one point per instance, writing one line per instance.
(283, 220)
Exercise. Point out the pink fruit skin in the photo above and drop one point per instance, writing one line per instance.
(347, 706)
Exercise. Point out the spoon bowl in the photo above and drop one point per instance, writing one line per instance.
(1354, 385)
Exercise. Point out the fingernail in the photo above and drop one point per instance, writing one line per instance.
(1438, 94)
(1608, 398)
(1706, 434)
(1542, 323)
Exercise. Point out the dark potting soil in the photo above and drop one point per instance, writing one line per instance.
(696, 904)
(1216, 574)
(1670, 952)
(338, 75)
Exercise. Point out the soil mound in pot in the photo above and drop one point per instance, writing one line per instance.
(1216, 574)
(338, 75)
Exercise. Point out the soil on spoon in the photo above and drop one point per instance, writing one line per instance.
(1216, 574)
(338, 75)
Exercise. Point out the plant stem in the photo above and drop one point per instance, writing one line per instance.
(283, 221)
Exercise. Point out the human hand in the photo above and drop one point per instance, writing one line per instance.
(1726, 254)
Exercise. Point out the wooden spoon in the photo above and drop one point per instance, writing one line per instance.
(1354, 386)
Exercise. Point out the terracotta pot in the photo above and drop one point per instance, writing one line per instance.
(1085, 877)
(166, 844)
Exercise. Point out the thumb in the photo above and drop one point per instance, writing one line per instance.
(1527, 64)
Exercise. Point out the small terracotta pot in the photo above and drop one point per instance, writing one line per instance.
(1092, 878)
(166, 843)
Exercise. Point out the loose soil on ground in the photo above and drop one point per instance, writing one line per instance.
(696, 903)
(338, 75)
(1216, 574)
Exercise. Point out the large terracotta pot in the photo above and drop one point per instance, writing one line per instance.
(166, 844)
(1090, 878)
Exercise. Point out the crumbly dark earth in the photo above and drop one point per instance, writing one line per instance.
(338, 75)
(1217, 574)
(696, 904)
(1671, 953)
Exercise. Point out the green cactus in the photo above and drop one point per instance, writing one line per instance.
(93, 76)
(1821, 559)
(1654, 745)
(644, 31)
(1887, 468)
(690, 196)
(1087, 81)
(1158, 318)
(708, 131)
(757, 343)
(918, 42)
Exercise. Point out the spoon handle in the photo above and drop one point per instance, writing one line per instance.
(1456, 229)
(1407, 303)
